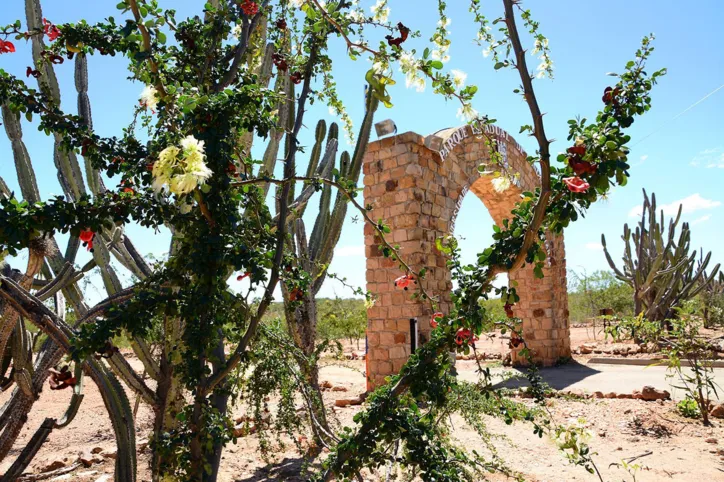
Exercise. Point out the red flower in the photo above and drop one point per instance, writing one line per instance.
(29, 71)
(296, 294)
(508, 310)
(296, 77)
(50, 30)
(404, 281)
(87, 237)
(396, 42)
(465, 337)
(577, 150)
(281, 24)
(61, 379)
(57, 59)
(242, 276)
(433, 321)
(576, 184)
(515, 340)
(581, 167)
(6, 47)
(249, 7)
(610, 95)
(280, 62)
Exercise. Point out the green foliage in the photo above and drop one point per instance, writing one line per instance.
(688, 408)
(342, 319)
(588, 294)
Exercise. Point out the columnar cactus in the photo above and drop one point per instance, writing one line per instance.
(660, 269)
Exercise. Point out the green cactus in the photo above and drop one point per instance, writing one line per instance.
(659, 268)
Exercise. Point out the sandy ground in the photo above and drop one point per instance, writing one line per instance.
(676, 449)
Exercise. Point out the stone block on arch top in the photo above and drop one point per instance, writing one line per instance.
(418, 193)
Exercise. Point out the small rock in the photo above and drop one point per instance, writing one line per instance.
(598, 395)
(96, 450)
(717, 411)
(650, 393)
(628, 410)
(55, 464)
(602, 433)
(87, 458)
(625, 395)
(339, 389)
(110, 454)
(104, 478)
(611, 395)
(711, 440)
(587, 348)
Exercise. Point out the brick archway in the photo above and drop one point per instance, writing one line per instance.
(418, 192)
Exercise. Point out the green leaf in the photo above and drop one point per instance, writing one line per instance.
(436, 64)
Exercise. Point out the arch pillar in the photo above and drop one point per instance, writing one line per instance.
(418, 192)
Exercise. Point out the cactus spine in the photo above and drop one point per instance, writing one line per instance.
(659, 268)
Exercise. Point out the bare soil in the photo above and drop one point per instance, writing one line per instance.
(671, 447)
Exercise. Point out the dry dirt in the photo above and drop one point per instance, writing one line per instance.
(674, 448)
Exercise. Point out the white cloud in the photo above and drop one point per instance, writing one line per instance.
(594, 246)
(709, 158)
(350, 251)
(644, 157)
(690, 204)
(702, 219)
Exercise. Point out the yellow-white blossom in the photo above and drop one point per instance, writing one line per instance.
(501, 184)
(467, 113)
(458, 78)
(149, 97)
(380, 11)
(181, 170)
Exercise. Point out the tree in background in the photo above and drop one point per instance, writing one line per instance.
(342, 319)
(588, 294)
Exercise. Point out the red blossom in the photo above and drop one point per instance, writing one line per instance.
(57, 59)
(86, 236)
(296, 77)
(576, 184)
(465, 336)
(280, 62)
(59, 380)
(515, 340)
(6, 47)
(404, 281)
(435, 317)
(30, 71)
(242, 276)
(508, 310)
(281, 24)
(250, 7)
(610, 95)
(296, 294)
(581, 167)
(397, 41)
(577, 150)
(50, 30)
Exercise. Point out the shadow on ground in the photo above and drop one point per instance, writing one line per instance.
(559, 377)
(289, 469)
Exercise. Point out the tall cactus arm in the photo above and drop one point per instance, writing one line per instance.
(69, 173)
(23, 165)
(4, 189)
(95, 183)
(29, 451)
(324, 170)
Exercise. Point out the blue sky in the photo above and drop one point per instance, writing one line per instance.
(676, 153)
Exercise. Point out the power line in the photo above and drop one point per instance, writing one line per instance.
(679, 115)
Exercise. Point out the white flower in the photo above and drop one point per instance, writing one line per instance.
(467, 113)
(183, 183)
(407, 62)
(487, 52)
(380, 67)
(192, 145)
(539, 45)
(543, 68)
(458, 78)
(380, 11)
(501, 184)
(236, 31)
(444, 23)
(416, 81)
(297, 3)
(356, 16)
(441, 55)
(149, 97)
